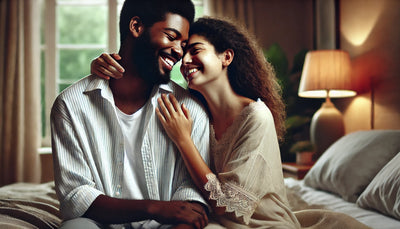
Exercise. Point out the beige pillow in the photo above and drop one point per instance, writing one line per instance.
(350, 164)
(383, 193)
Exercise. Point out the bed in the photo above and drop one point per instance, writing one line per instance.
(359, 175)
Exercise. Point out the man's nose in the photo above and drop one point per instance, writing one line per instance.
(177, 50)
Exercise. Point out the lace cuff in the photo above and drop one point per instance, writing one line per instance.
(232, 196)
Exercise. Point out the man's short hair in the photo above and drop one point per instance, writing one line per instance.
(152, 11)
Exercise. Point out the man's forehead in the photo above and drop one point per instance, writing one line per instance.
(176, 23)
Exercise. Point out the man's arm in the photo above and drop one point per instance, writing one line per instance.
(108, 210)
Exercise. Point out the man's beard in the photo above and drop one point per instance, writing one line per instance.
(146, 61)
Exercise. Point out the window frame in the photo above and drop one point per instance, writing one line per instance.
(51, 49)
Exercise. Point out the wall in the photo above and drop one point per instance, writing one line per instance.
(369, 32)
(288, 23)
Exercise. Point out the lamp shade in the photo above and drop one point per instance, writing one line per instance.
(326, 70)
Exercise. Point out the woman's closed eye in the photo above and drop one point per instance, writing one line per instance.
(194, 51)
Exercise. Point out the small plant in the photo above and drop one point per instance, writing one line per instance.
(302, 146)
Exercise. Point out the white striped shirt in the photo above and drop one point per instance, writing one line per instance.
(88, 147)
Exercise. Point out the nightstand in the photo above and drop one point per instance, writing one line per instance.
(296, 171)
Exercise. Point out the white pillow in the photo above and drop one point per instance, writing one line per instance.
(383, 193)
(350, 164)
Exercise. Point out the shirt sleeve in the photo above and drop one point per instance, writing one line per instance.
(74, 184)
(186, 190)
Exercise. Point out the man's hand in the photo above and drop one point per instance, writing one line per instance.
(179, 212)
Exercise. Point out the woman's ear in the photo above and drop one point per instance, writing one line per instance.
(136, 26)
(227, 57)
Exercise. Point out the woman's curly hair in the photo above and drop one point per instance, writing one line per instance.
(250, 74)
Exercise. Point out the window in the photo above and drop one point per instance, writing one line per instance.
(73, 33)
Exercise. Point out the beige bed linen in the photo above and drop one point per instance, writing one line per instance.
(26, 205)
(249, 171)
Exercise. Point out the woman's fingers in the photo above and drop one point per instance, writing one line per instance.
(113, 62)
(112, 67)
(170, 108)
(160, 116)
(105, 66)
(164, 110)
(175, 103)
(186, 112)
(168, 103)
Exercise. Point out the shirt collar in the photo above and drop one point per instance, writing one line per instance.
(166, 87)
(97, 83)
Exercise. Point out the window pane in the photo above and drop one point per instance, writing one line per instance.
(82, 24)
(199, 11)
(75, 64)
(62, 86)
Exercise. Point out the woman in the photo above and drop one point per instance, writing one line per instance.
(245, 182)
(247, 115)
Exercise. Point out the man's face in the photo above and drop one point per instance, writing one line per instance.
(160, 47)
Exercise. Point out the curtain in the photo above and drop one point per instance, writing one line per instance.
(239, 10)
(19, 91)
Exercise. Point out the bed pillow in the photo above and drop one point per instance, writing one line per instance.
(350, 164)
(383, 193)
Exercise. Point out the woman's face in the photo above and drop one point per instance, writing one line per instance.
(201, 65)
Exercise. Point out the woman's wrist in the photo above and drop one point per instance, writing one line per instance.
(183, 141)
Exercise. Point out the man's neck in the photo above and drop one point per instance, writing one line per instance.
(130, 92)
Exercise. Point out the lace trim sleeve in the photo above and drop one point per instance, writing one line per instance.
(232, 196)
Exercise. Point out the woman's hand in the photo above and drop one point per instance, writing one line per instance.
(106, 66)
(175, 119)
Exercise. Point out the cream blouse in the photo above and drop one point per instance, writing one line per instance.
(249, 181)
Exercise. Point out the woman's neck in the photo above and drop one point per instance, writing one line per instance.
(224, 105)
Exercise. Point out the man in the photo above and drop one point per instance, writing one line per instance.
(113, 162)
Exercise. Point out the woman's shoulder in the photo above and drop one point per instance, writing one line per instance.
(259, 111)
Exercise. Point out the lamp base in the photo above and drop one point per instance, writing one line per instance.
(327, 126)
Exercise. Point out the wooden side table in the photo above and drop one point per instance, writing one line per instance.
(296, 171)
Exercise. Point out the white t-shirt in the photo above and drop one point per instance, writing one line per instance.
(134, 183)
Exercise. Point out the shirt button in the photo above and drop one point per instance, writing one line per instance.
(117, 193)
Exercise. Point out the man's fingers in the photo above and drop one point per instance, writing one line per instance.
(202, 215)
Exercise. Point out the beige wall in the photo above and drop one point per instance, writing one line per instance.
(370, 32)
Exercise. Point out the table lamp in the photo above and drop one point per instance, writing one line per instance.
(326, 74)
